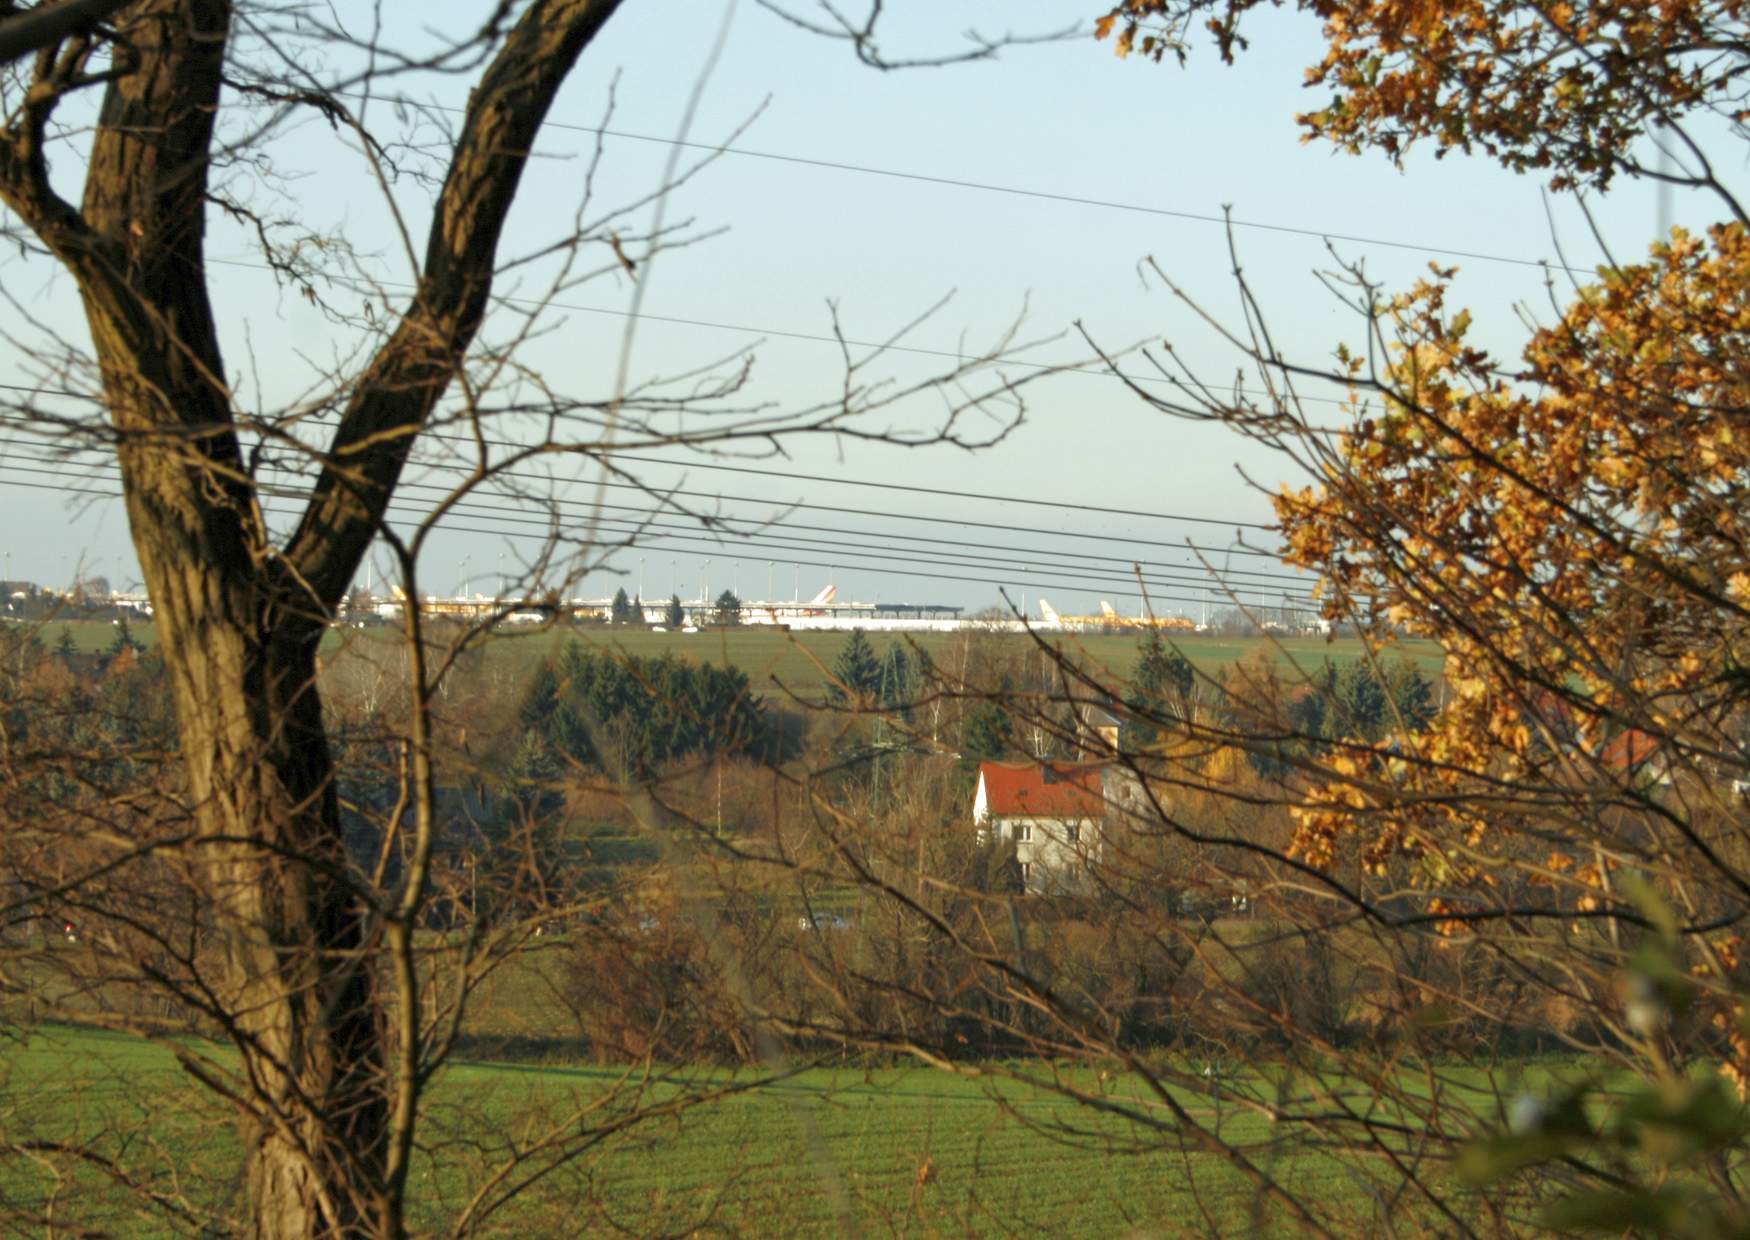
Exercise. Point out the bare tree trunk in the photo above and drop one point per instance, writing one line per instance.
(240, 619)
(300, 989)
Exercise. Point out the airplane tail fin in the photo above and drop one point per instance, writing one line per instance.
(824, 597)
(1049, 613)
(1107, 610)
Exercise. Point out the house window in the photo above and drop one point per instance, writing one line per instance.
(1023, 832)
(1026, 872)
(1073, 832)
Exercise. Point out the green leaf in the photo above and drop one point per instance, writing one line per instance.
(1655, 1211)
(1562, 1127)
(1651, 904)
(1681, 1118)
(1483, 1162)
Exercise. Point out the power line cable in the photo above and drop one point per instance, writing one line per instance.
(888, 514)
(867, 558)
(973, 495)
(787, 545)
(880, 346)
(988, 187)
(785, 542)
(727, 522)
(837, 562)
(1006, 582)
(787, 527)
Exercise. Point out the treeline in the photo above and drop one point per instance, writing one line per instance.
(1286, 718)
(630, 716)
(83, 704)
(85, 738)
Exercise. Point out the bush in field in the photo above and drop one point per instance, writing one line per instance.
(647, 988)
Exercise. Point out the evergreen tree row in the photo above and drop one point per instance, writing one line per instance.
(862, 678)
(629, 716)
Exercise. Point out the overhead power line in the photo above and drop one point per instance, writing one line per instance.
(835, 563)
(780, 543)
(726, 522)
(839, 342)
(943, 492)
(964, 579)
(726, 525)
(975, 495)
(1017, 191)
(964, 568)
(783, 543)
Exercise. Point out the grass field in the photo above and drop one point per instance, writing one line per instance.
(774, 659)
(795, 660)
(826, 1152)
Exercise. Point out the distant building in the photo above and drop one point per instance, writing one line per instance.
(1055, 812)
(1636, 755)
(1099, 722)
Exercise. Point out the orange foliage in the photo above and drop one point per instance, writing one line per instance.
(1566, 87)
(1584, 518)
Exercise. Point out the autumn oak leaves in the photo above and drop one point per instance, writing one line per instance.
(1567, 88)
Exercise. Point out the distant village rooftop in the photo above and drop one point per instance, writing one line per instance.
(1042, 789)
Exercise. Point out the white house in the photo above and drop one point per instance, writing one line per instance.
(1053, 811)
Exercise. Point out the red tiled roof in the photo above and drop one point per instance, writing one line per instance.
(1555, 712)
(1022, 790)
(1630, 750)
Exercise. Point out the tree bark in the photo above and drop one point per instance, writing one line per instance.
(239, 619)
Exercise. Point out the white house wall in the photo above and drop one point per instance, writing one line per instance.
(1048, 846)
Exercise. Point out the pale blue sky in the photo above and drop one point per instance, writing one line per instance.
(1064, 119)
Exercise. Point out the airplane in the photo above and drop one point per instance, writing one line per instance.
(1108, 619)
(822, 599)
(816, 606)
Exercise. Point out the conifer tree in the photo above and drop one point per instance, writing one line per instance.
(1160, 688)
(124, 637)
(987, 735)
(856, 673)
(898, 680)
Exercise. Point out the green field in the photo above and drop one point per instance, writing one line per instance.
(825, 1152)
(796, 660)
(774, 659)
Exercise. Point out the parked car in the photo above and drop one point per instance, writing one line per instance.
(823, 921)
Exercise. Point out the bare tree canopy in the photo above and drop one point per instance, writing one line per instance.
(1438, 931)
(34, 29)
(319, 993)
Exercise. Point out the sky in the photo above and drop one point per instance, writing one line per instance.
(1089, 480)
